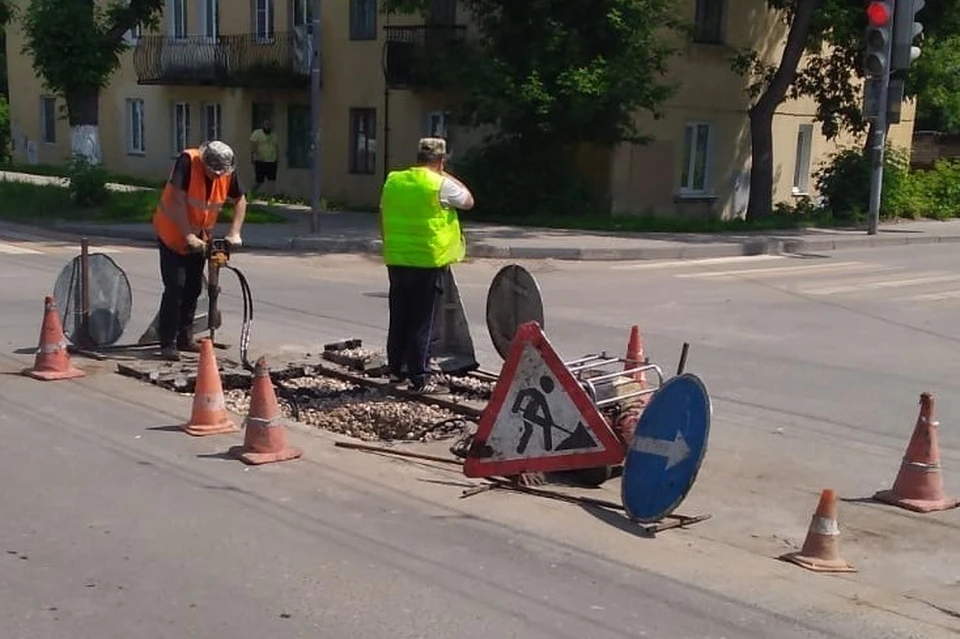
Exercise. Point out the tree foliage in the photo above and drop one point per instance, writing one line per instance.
(567, 70)
(552, 78)
(835, 46)
(75, 44)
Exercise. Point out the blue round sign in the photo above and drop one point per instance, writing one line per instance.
(667, 449)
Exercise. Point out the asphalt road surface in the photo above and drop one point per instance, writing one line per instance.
(115, 527)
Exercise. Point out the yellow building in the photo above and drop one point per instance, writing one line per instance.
(218, 68)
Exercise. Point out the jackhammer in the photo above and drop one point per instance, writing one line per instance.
(218, 257)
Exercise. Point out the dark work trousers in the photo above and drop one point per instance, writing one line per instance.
(182, 277)
(414, 295)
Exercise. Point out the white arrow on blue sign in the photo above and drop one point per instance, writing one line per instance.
(668, 446)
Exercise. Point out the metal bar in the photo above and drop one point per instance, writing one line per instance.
(622, 398)
(683, 358)
(399, 453)
(675, 521)
(585, 358)
(315, 120)
(596, 364)
(549, 494)
(84, 339)
(627, 373)
(213, 295)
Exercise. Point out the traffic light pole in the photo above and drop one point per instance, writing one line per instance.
(877, 146)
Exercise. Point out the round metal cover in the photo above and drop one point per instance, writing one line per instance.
(111, 299)
(513, 299)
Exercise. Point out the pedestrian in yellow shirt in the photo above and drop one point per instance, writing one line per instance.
(264, 151)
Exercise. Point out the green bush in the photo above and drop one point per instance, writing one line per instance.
(845, 183)
(513, 181)
(88, 182)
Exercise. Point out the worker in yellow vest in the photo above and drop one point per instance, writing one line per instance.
(202, 181)
(421, 239)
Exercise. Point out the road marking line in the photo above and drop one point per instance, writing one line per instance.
(777, 271)
(12, 249)
(931, 297)
(701, 262)
(853, 288)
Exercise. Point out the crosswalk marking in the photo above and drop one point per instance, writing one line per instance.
(13, 249)
(14, 243)
(655, 264)
(870, 286)
(931, 297)
(777, 271)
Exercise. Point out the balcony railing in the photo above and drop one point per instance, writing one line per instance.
(281, 60)
(411, 53)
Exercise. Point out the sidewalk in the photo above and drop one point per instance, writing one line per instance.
(347, 232)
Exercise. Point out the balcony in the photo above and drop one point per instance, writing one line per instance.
(411, 54)
(281, 61)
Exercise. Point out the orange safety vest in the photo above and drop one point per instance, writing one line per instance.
(202, 211)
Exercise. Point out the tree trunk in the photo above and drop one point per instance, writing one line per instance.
(83, 113)
(760, 205)
(761, 115)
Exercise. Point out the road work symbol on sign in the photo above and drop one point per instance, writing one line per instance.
(539, 418)
(667, 449)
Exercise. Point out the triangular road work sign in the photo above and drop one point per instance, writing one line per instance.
(539, 418)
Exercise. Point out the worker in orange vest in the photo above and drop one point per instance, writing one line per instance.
(202, 181)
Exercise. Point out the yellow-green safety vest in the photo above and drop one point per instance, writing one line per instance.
(417, 230)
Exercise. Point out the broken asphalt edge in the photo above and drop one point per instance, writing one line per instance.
(481, 250)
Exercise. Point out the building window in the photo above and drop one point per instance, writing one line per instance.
(363, 141)
(302, 12)
(708, 22)
(181, 127)
(696, 154)
(48, 120)
(363, 19)
(298, 136)
(259, 113)
(436, 124)
(178, 18)
(263, 20)
(211, 18)
(136, 128)
(211, 121)
(801, 167)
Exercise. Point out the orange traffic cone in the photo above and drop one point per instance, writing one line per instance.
(819, 552)
(635, 357)
(209, 415)
(919, 484)
(265, 441)
(53, 360)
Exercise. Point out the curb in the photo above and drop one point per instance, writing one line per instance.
(759, 246)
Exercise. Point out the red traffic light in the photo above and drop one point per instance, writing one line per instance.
(878, 14)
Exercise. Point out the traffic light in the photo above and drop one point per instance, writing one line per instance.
(876, 62)
(905, 31)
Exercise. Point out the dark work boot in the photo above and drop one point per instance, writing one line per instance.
(186, 344)
(170, 354)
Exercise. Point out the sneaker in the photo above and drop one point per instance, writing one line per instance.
(170, 354)
(428, 388)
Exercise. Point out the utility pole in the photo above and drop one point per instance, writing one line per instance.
(315, 115)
